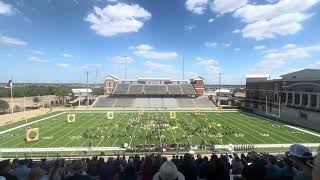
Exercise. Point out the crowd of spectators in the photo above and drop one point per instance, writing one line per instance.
(297, 164)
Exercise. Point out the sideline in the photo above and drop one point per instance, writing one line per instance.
(23, 125)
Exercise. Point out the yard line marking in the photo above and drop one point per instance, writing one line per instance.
(271, 132)
(306, 131)
(121, 131)
(111, 128)
(170, 129)
(101, 119)
(214, 128)
(18, 137)
(23, 125)
(70, 132)
(245, 121)
(184, 131)
(219, 114)
(65, 129)
(219, 119)
(135, 128)
(253, 120)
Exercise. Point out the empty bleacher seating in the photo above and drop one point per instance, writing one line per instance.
(186, 103)
(188, 89)
(124, 102)
(203, 102)
(174, 89)
(155, 89)
(135, 89)
(121, 89)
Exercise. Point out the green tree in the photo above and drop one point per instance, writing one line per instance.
(4, 105)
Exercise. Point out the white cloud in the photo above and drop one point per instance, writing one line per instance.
(251, 13)
(37, 52)
(62, 65)
(65, 55)
(12, 41)
(157, 66)
(6, 9)
(236, 31)
(210, 20)
(236, 49)
(289, 46)
(196, 6)
(37, 60)
(286, 24)
(315, 65)
(269, 51)
(266, 21)
(117, 19)
(147, 51)
(189, 27)
(211, 65)
(226, 44)
(210, 44)
(121, 59)
(273, 60)
(260, 47)
(91, 66)
(112, 0)
(227, 6)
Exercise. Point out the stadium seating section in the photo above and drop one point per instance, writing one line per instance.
(138, 89)
(126, 102)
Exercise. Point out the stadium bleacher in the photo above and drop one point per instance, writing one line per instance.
(123, 102)
(135, 89)
(175, 89)
(186, 103)
(155, 89)
(187, 89)
(121, 89)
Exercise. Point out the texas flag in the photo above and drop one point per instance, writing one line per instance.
(9, 84)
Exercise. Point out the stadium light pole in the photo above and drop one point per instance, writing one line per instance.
(87, 88)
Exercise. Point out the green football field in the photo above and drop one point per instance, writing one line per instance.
(92, 128)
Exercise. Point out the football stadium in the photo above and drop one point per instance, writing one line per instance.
(159, 90)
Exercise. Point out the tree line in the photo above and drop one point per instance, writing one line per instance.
(28, 91)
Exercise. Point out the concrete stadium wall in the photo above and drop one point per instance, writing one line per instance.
(291, 115)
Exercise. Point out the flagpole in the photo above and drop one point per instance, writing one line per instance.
(11, 96)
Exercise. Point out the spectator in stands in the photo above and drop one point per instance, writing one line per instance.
(57, 171)
(156, 164)
(37, 173)
(44, 165)
(22, 171)
(188, 168)
(255, 169)
(301, 157)
(288, 171)
(203, 168)
(237, 165)
(316, 168)
(131, 170)
(78, 172)
(5, 168)
(106, 170)
(168, 171)
(272, 170)
(146, 168)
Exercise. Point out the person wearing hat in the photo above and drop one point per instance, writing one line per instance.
(300, 156)
(168, 171)
(4, 170)
(37, 173)
(78, 171)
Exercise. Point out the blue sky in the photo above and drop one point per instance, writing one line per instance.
(59, 40)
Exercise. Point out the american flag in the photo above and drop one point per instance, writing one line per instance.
(9, 84)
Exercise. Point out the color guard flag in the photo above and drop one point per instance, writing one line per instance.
(9, 84)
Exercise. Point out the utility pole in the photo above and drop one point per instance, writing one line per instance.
(87, 89)
(125, 67)
(220, 73)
